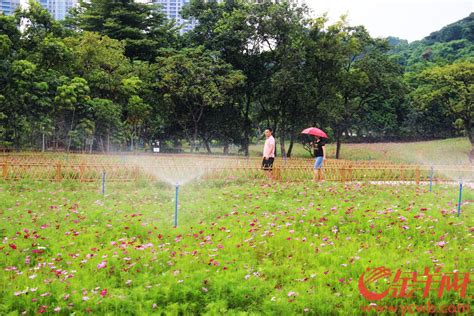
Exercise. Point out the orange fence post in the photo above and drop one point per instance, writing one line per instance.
(417, 176)
(81, 172)
(136, 173)
(276, 173)
(5, 171)
(343, 174)
(58, 172)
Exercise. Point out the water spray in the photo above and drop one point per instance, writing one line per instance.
(176, 206)
(460, 197)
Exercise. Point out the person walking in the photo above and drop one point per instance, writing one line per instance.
(319, 146)
(268, 153)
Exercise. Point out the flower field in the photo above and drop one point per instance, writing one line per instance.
(240, 247)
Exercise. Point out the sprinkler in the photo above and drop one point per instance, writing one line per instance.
(176, 206)
(103, 182)
(431, 179)
(460, 197)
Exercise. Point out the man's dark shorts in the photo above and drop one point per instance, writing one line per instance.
(267, 164)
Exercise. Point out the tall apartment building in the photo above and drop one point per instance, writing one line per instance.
(58, 8)
(7, 7)
(172, 8)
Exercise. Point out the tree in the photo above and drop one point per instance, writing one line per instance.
(358, 75)
(452, 86)
(37, 24)
(101, 61)
(72, 105)
(193, 80)
(283, 93)
(21, 90)
(107, 118)
(143, 27)
(230, 28)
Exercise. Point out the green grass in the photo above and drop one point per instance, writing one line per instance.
(240, 248)
(447, 151)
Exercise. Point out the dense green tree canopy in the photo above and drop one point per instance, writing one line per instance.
(451, 86)
(142, 27)
(118, 75)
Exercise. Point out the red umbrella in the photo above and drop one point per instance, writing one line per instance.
(315, 132)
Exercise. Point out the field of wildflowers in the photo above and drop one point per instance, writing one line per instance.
(240, 248)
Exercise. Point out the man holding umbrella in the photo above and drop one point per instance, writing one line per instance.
(319, 151)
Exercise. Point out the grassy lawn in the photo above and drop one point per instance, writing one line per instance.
(240, 248)
(447, 151)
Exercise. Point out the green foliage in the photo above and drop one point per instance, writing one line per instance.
(452, 87)
(193, 80)
(463, 29)
(117, 74)
(72, 94)
(143, 28)
(452, 43)
(5, 46)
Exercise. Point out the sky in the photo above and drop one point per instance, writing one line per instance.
(407, 19)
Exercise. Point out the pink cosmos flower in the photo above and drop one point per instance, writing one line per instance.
(103, 293)
(102, 265)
